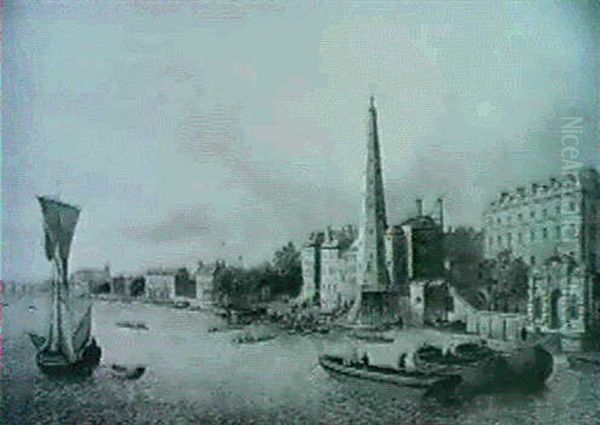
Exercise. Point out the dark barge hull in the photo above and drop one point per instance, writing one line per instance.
(524, 368)
(420, 380)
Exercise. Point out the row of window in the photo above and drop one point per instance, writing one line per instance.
(533, 235)
(532, 214)
(572, 311)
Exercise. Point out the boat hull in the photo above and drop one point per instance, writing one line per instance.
(528, 367)
(524, 368)
(57, 364)
(418, 380)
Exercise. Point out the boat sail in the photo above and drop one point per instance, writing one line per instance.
(69, 342)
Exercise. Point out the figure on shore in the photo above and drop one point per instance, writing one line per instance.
(365, 359)
(352, 358)
(402, 361)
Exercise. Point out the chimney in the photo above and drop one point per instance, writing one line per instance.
(440, 202)
(419, 207)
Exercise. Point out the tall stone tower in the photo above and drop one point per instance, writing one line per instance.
(372, 260)
(374, 301)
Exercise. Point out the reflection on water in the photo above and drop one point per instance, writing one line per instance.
(193, 376)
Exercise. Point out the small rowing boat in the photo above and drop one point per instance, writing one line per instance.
(140, 326)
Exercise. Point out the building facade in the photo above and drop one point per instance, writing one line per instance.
(330, 261)
(310, 257)
(92, 280)
(539, 220)
(330, 268)
(339, 268)
(204, 276)
(160, 284)
(553, 227)
(185, 285)
(563, 299)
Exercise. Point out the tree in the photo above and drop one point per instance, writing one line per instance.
(288, 266)
(504, 282)
(463, 250)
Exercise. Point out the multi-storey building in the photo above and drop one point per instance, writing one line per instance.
(339, 268)
(311, 267)
(539, 220)
(329, 267)
(204, 276)
(160, 284)
(330, 259)
(554, 228)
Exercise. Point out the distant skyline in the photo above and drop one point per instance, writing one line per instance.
(192, 131)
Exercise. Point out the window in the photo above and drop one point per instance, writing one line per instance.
(499, 221)
(572, 206)
(532, 235)
(558, 209)
(509, 239)
(491, 241)
(573, 307)
(520, 237)
(532, 260)
(545, 233)
(499, 240)
(537, 308)
(558, 234)
(532, 214)
(520, 216)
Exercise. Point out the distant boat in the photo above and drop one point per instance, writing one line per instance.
(68, 346)
(131, 373)
(181, 304)
(373, 338)
(132, 325)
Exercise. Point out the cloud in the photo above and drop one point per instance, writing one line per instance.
(180, 225)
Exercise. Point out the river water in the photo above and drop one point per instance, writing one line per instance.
(198, 377)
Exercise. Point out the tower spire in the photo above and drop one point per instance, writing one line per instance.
(373, 223)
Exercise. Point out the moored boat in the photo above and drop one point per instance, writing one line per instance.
(483, 369)
(414, 379)
(374, 338)
(69, 346)
(181, 304)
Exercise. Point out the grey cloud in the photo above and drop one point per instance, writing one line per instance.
(179, 225)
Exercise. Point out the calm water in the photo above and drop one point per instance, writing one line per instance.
(197, 377)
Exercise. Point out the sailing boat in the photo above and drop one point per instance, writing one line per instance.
(69, 345)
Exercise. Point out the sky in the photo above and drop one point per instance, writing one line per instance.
(193, 131)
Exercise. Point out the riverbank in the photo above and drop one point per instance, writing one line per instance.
(194, 376)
